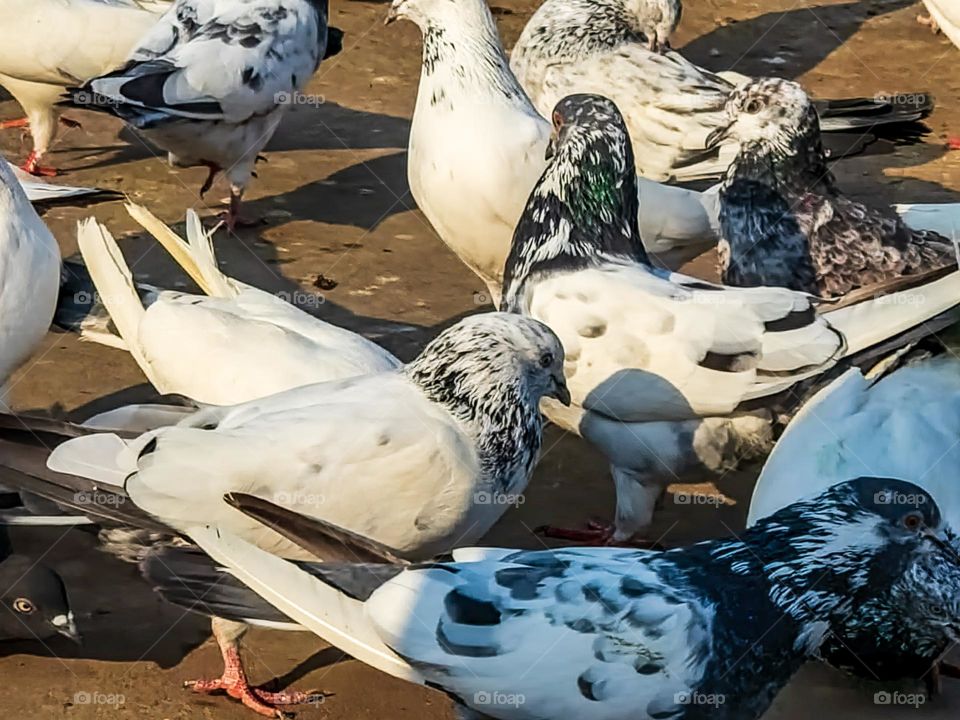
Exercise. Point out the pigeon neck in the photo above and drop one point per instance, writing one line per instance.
(463, 60)
(489, 398)
(795, 165)
(583, 211)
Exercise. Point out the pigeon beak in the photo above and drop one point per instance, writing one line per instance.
(392, 15)
(718, 136)
(65, 625)
(560, 390)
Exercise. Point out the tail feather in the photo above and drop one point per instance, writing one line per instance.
(188, 578)
(198, 262)
(25, 448)
(852, 113)
(308, 600)
(116, 288)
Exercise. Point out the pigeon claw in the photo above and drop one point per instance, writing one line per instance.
(11, 124)
(32, 165)
(595, 534)
(263, 702)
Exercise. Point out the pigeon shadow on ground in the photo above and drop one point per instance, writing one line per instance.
(326, 126)
(382, 182)
(748, 46)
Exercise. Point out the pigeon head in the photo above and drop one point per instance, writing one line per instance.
(484, 356)
(773, 114)
(584, 207)
(35, 604)
(429, 13)
(904, 632)
(852, 543)
(656, 19)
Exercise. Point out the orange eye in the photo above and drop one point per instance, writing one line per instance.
(22, 605)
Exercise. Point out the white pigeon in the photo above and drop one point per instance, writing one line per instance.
(212, 79)
(670, 104)
(29, 277)
(421, 458)
(477, 146)
(661, 366)
(944, 16)
(235, 344)
(47, 46)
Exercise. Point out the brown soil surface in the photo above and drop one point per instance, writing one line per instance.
(335, 195)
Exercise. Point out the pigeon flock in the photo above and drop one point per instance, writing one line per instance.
(295, 475)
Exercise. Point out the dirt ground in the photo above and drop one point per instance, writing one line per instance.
(339, 212)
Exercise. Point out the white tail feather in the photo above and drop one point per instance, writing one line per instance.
(117, 290)
(867, 323)
(138, 418)
(172, 243)
(22, 517)
(338, 619)
(104, 457)
(202, 252)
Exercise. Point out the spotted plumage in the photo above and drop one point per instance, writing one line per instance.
(211, 80)
(784, 221)
(713, 630)
(670, 104)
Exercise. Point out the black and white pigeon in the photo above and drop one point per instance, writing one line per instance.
(784, 221)
(212, 79)
(670, 104)
(672, 378)
(33, 599)
(420, 458)
(714, 630)
(901, 423)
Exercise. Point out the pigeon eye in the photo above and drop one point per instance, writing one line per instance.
(753, 106)
(546, 360)
(557, 119)
(22, 605)
(912, 521)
